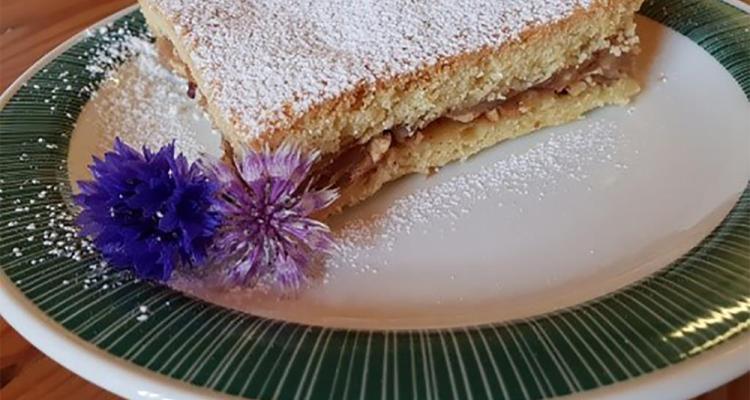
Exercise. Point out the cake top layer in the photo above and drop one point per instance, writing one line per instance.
(266, 61)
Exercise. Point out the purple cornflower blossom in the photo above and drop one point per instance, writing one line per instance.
(150, 212)
(267, 204)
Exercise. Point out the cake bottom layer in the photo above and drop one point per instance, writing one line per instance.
(447, 140)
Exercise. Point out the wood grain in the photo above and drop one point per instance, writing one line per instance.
(28, 30)
(31, 28)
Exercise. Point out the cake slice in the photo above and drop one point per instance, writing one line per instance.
(384, 88)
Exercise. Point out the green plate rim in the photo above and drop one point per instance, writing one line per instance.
(694, 304)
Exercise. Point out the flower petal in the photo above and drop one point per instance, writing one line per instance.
(149, 211)
(267, 230)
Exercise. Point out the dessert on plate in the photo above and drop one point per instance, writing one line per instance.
(381, 89)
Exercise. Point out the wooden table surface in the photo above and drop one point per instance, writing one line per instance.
(28, 30)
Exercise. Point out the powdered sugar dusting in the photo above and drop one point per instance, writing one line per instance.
(145, 104)
(537, 172)
(259, 58)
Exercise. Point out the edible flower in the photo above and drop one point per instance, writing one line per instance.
(149, 212)
(267, 205)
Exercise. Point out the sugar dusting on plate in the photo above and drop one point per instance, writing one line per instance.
(534, 173)
(141, 102)
(145, 104)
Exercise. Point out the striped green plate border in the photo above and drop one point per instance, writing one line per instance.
(699, 301)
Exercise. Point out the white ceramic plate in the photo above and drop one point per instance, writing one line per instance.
(524, 238)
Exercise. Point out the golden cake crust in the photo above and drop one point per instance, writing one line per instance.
(523, 43)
